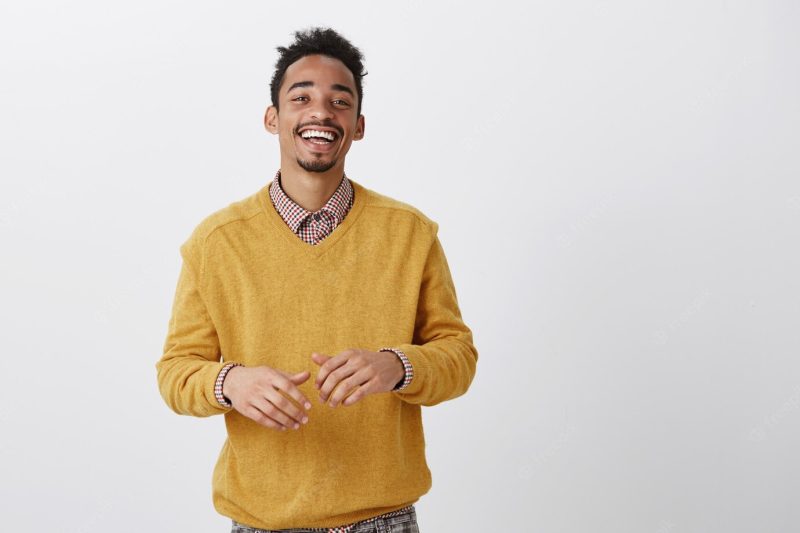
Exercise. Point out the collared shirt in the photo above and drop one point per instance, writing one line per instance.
(313, 227)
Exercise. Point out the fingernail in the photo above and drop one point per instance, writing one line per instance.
(308, 405)
(305, 419)
(296, 425)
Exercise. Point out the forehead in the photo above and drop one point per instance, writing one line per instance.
(322, 70)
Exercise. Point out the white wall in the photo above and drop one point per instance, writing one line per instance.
(617, 189)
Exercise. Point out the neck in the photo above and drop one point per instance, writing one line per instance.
(310, 190)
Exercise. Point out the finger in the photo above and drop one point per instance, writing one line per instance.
(330, 365)
(358, 393)
(294, 414)
(300, 376)
(348, 386)
(260, 417)
(333, 379)
(269, 404)
(294, 377)
(290, 388)
(319, 358)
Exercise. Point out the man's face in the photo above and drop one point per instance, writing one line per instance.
(318, 94)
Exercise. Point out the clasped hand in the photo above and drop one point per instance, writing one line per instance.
(345, 378)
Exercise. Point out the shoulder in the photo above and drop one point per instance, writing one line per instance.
(225, 217)
(397, 210)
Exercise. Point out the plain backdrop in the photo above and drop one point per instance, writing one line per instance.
(617, 190)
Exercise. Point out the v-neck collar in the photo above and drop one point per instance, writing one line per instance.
(314, 250)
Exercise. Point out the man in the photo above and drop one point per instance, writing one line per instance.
(318, 316)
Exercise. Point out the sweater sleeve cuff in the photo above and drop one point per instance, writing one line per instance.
(223, 401)
(409, 369)
(421, 370)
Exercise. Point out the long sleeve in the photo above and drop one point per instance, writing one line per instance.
(442, 352)
(190, 365)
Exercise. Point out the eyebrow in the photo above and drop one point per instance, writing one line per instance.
(335, 87)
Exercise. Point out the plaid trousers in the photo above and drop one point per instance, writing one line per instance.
(401, 521)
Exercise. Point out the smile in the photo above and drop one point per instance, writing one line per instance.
(319, 140)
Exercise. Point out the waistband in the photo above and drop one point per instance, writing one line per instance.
(338, 529)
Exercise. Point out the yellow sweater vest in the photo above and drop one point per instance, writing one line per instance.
(253, 292)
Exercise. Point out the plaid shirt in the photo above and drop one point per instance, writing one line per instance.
(313, 227)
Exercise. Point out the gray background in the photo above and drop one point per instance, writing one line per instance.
(617, 190)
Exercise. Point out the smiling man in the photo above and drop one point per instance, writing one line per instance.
(317, 316)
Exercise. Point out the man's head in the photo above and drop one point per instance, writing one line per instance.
(316, 87)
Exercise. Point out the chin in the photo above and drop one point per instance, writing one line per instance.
(319, 165)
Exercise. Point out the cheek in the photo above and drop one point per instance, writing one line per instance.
(288, 135)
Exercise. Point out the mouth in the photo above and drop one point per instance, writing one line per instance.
(319, 139)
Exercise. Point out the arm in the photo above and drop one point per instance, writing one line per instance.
(442, 353)
(190, 365)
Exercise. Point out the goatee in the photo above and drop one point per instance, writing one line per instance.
(316, 165)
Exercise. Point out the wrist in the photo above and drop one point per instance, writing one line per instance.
(407, 371)
(223, 386)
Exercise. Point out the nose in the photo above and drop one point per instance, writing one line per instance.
(321, 111)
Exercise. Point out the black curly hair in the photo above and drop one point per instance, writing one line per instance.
(324, 41)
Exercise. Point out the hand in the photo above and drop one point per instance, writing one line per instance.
(358, 373)
(256, 393)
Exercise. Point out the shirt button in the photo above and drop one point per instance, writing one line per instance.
(316, 217)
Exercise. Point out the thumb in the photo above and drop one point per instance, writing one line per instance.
(300, 376)
(294, 377)
(319, 358)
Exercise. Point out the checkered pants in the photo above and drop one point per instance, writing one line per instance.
(401, 521)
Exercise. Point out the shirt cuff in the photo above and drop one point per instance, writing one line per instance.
(406, 365)
(223, 401)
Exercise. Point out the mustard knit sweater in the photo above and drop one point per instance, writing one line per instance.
(253, 292)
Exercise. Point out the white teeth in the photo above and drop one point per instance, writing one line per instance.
(316, 133)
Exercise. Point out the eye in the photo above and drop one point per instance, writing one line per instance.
(343, 102)
(299, 97)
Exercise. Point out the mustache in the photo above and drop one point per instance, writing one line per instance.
(322, 124)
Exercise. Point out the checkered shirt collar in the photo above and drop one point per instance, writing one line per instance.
(294, 215)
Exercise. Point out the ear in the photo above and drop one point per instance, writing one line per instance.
(358, 134)
(271, 120)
